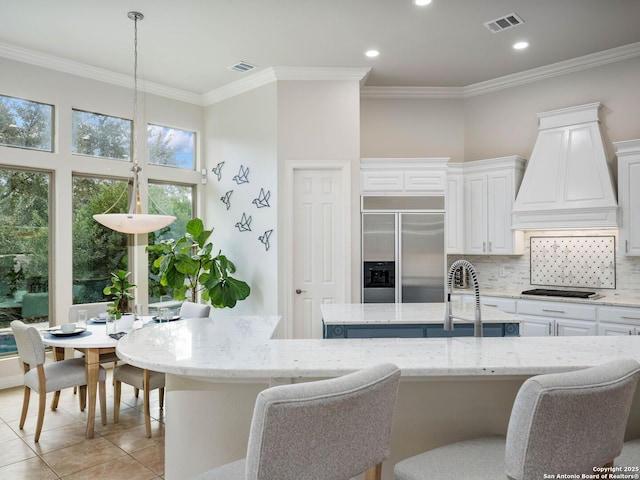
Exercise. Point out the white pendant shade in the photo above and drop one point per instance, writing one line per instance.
(134, 222)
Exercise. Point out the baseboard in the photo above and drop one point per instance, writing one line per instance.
(12, 381)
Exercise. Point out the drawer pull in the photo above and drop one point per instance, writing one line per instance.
(630, 318)
(552, 311)
(494, 305)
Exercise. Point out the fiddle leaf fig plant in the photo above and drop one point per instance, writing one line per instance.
(189, 267)
(120, 291)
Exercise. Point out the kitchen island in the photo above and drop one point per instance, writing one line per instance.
(451, 388)
(412, 320)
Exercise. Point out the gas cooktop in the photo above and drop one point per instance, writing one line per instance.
(559, 293)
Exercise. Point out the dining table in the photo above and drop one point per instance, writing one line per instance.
(93, 342)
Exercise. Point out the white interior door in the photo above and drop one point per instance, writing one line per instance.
(320, 246)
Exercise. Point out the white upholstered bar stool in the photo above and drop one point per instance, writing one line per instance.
(325, 430)
(51, 377)
(564, 422)
(194, 310)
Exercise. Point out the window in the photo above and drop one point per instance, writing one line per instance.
(171, 147)
(24, 251)
(169, 200)
(99, 135)
(97, 250)
(26, 124)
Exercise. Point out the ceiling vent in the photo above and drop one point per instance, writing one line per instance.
(503, 23)
(242, 67)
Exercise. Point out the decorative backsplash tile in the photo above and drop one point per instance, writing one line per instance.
(573, 261)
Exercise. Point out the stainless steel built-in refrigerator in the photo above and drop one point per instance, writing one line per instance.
(403, 249)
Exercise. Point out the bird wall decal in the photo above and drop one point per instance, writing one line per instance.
(244, 225)
(263, 199)
(218, 170)
(242, 176)
(226, 199)
(264, 238)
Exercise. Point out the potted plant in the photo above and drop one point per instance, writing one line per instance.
(189, 267)
(120, 291)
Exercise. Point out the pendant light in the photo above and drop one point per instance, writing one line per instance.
(134, 221)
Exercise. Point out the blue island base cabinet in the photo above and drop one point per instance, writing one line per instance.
(424, 330)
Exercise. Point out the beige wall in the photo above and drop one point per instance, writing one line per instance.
(500, 123)
(400, 128)
(505, 122)
(242, 130)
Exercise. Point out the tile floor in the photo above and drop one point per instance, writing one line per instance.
(118, 451)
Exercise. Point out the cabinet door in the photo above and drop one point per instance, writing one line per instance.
(630, 205)
(454, 214)
(605, 328)
(500, 197)
(568, 328)
(536, 326)
(475, 212)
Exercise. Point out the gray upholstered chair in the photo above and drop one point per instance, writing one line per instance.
(194, 310)
(565, 422)
(325, 430)
(140, 379)
(51, 377)
(630, 456)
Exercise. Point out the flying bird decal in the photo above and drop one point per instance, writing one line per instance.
(264, 238)
(242, 176)
(218, 170)
(244, 225)
(263, 199)
(226, 199)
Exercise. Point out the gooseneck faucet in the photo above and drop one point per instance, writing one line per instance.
(448, 316)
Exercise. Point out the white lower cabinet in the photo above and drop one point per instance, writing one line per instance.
(618, 321)
(556, 319)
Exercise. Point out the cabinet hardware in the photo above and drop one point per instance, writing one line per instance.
(492, 305)
(626, 246)
(557, 329)
(298, 291)
(552, 311)
(550, 331)
(484, 247)
(630, 318)
(490, 247)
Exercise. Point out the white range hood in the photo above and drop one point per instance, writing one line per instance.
(567, 181)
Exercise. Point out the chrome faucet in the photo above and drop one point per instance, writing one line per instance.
(448, 316)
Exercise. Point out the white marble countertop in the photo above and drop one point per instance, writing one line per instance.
(603, 299)
(408, 313)
(242, 348)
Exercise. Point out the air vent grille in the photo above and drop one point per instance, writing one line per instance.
(242, 67)
(503, 23)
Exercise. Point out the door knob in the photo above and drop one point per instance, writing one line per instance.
(298, 291)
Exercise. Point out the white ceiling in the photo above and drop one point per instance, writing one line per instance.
(188, 44)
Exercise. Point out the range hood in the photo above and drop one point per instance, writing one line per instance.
(567, 182)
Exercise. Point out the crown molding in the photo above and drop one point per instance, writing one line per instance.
(273, 74)
(554, 70)
(60, 64)
(359, 74)
(412, 92)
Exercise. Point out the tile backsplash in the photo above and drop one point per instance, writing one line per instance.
(588, 261)
(512, 273)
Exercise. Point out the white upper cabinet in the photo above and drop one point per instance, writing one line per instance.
(455, 209)
(415, 176)
(490, 188)
(628, 153)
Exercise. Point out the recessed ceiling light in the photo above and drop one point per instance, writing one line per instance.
(422, 3)
(372, 53)
(520, 45)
